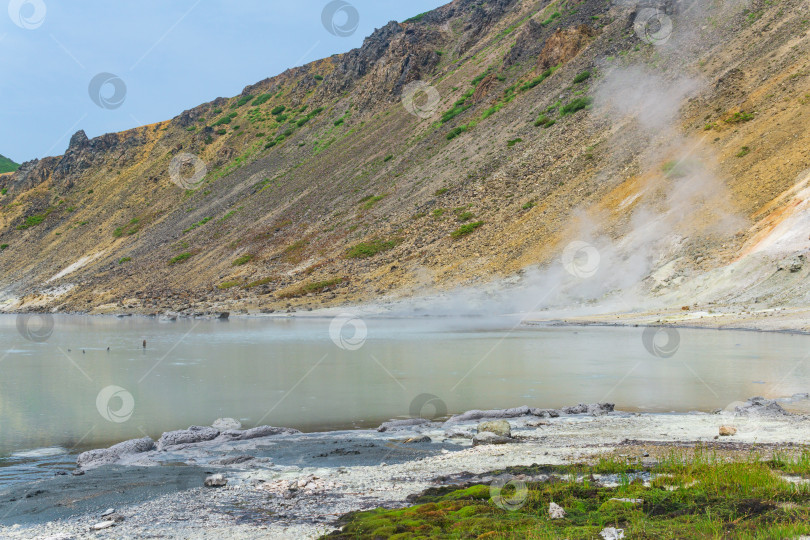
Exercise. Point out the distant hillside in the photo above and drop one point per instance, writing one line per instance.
(6, 165)
(478, 142)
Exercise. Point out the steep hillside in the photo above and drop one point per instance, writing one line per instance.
(466, 145)
(6, 165)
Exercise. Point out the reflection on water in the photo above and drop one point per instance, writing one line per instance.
(69, 391)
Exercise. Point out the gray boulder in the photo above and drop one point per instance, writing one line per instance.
(759, 406)
(591, 409)
(108, 456)
(257, 432)
(215, 481)
(493, 414)
(487, 437)
(194, 434)
(546, 413)
(394, 425)
(498, 427)
(224, 424)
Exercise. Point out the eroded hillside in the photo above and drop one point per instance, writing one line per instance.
(466, 145)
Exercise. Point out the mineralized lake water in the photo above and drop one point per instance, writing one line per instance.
(62, 390)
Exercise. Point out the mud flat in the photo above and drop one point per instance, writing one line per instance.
(280, 483)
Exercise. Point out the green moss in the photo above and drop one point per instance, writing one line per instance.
(699, 496)
(243, 260)
(123, 260)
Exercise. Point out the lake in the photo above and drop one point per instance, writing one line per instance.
(63, 391)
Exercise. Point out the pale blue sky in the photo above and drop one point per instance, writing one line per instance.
(171, 55)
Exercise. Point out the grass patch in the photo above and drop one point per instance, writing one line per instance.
(3, 247)
(315, 287)
(198, 224)
(455, 132)
(228, 285)
(576, 105)
(466, 229)
(513, 142)
(744, 151)
(364, 250)
(739, 117)
(369, 201)
(243, 260)
(545, 121)
(694, 495)
(225, 119)
(123, 260)
(34, 220)
(180, 258)
(582, 77)
(537, 80)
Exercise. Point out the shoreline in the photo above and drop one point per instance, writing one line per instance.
(287, 484)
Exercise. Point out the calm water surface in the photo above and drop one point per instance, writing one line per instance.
(69, 393)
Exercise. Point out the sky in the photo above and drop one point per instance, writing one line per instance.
(104, 66)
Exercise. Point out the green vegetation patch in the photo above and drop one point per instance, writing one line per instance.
(466, 229)
(34, 220)
(198, 224)
(6, 165)
(364, 250)
(180, 258)
(243, 100)
(576, 105)
(700, 496)
(582, 77)
(369, 201)
(224, 120)
(739, 117)
(262, 99)
(459, 106)
(537, 80)
(243, 260)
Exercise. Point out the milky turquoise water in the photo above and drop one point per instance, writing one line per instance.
(64, 391)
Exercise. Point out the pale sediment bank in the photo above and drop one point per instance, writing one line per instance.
(286, 484)
(795, 320)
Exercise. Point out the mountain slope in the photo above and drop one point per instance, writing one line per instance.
(320, 186)
(6, 165)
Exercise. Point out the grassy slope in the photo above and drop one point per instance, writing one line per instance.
(6, 165)
(690, 496)
(299, 207)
